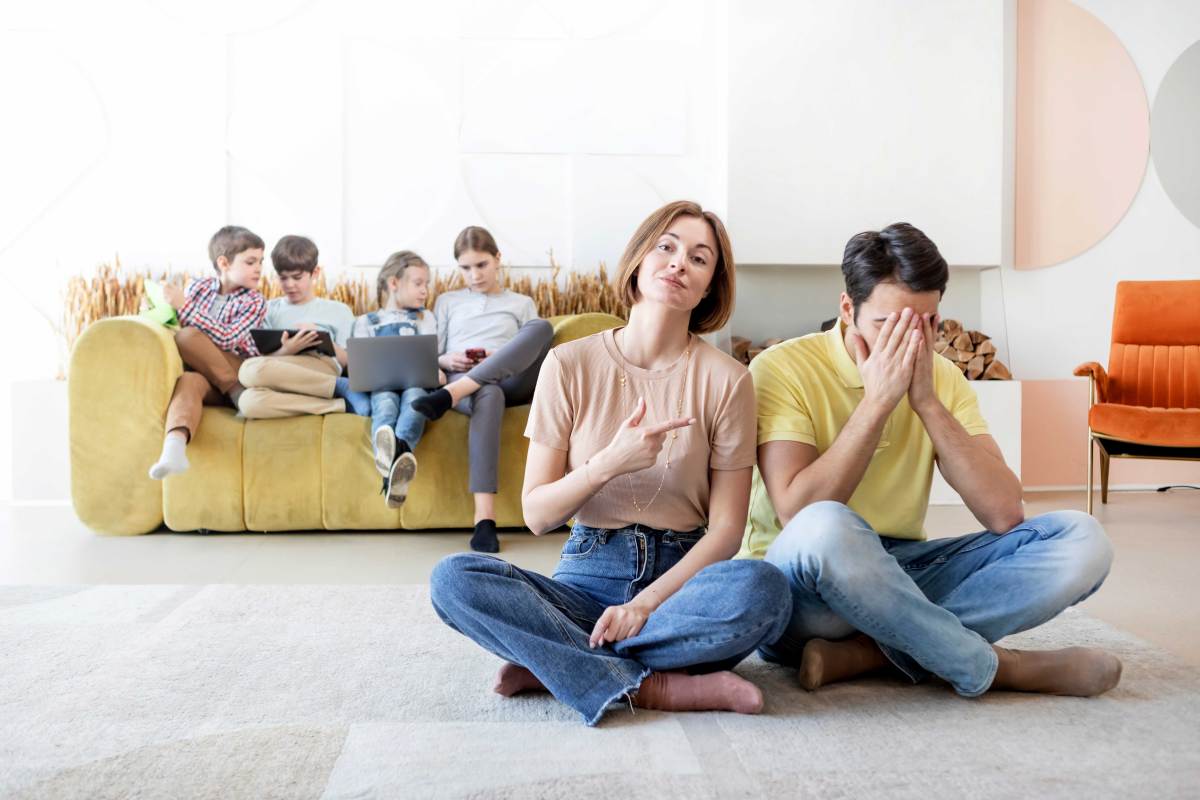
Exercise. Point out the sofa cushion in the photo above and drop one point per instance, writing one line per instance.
(350, 490)
(281, 462)
(209, 494)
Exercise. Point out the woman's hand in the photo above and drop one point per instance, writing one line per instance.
(636, 447)
(455, 362)
(292, 345)
(620, 622)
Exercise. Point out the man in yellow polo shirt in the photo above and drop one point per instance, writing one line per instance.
(850, 424)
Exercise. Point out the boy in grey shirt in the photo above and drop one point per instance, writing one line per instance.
(296, 379)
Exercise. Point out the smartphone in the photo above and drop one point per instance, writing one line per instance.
(476, 354)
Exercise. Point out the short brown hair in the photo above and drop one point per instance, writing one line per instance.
(231, 240)
(716, 307)
(474, 237)
(294, 254)
(395, 267)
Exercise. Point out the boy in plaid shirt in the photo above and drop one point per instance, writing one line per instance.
(216, 315)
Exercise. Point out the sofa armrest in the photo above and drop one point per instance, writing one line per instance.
(1095, 371)
(119, 382)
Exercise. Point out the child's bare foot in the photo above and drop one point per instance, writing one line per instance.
(1072, 671)
(716, 691)
(824, 662)
(514, 679)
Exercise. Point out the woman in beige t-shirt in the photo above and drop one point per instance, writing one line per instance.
(645, 436)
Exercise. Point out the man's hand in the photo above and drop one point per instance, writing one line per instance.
(921, 391)
(619, 622)
(293, 345)
(174, 295)
(887, 371)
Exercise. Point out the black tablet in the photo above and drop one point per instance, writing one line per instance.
(268, 340)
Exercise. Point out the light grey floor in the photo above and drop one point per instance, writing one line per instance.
(1152, 592)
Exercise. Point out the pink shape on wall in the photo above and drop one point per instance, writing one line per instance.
(1082, 132)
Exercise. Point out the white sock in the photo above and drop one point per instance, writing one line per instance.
(174, 457)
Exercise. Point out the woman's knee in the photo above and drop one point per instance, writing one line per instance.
(455, 579)
(540, 328)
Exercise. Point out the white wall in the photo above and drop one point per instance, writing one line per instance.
(849, 115)
(142, 127)
(1070, 305)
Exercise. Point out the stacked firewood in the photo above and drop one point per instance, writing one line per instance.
(971, 351)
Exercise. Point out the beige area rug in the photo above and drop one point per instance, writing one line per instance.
(360, 692)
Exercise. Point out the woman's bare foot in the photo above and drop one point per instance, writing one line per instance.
(716, 691)
(513, 679)
(824, 662)
(1072, 671)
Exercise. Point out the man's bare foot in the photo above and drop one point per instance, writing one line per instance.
(716, 691)
(824, 662)
(1072, 671)
(513, 679)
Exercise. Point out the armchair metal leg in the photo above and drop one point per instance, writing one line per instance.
(1104, 458)
(1091, 445)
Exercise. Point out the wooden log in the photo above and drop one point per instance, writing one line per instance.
(951, 327)
(963, 356)
(740, 347)
(996, 371)
(989, 358)
(962, 342)
(986, 347)
(975, 368)
(772, 342)
(977, 337)
(941, 346)
(754, 351)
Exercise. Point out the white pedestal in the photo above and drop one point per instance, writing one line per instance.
(41, 464)
(1000, 404)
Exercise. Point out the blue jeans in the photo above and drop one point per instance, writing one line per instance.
(714, 621)
(932, 606)
(389, 408)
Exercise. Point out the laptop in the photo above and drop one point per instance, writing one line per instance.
(392, 363)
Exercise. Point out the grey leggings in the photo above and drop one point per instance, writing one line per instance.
(506, 378)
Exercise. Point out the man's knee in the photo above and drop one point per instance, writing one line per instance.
(1091, 551)
(821, 529)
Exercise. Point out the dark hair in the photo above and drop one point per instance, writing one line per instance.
(475, 238)
(294, 254)
(231, 240)
(899, 254)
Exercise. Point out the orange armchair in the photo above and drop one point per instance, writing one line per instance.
(1147, 405)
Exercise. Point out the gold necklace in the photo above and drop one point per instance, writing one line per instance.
(687, 355)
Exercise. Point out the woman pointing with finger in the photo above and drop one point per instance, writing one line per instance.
(645, 436)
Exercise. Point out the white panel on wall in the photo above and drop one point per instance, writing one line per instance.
(284, 140)
(520, 199)
(850, 115)
(402, 159)
(517, 97)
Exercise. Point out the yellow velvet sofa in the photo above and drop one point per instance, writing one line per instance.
(303, 473)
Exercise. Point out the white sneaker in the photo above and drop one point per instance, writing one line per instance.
(385, 449)
(401, 474)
